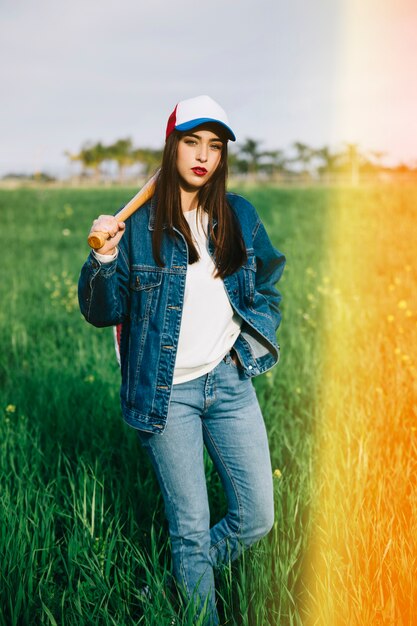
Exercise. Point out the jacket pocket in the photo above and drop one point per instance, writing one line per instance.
(144, 285)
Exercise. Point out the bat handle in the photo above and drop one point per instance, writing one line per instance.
(96, 240)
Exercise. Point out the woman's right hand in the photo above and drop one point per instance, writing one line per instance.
(109, 224)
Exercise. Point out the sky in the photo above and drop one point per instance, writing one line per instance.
(323, 72)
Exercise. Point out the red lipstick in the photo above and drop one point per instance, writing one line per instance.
(200, 171)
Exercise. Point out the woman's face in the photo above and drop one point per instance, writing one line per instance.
(198, 156)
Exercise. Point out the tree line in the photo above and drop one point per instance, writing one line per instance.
(94, 156)
(249, 161)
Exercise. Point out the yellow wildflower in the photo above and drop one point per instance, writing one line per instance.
(277, 473)
(10, 408)
(402, 304)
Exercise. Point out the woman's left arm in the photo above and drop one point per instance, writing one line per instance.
(270, 265)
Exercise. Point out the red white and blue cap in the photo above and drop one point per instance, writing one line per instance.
(196, 111)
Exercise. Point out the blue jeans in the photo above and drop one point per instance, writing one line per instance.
(218, 410)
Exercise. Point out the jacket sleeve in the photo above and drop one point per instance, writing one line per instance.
(270, 265)
(103, 290)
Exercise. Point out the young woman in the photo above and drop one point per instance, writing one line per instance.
(190, 276)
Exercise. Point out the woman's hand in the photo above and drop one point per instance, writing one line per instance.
(109, 224)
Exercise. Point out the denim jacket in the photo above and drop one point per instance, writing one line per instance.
(148, 300)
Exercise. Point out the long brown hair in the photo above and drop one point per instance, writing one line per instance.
(229, 247)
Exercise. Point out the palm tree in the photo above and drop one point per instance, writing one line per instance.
(121, 151)
(149, 159)
(329, 159)
(251, 157)
(273, 162)
(304, 154)
(92, 156)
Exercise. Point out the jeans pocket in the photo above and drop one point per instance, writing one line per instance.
(229, 360)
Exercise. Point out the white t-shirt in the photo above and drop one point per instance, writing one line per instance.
(209, 327)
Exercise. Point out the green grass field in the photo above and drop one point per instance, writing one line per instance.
(82, 522)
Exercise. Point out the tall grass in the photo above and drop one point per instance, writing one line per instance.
(364, 539)
(82, 523)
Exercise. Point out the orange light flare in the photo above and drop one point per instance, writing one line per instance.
(362, 561)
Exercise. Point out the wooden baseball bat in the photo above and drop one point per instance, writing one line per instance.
(97, 239)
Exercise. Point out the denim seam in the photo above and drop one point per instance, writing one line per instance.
(182, 567)
(233, 485)
(255, 229)
(215, 546)
(141, 347)
(260, 313)
(91, 298)
(209, 402)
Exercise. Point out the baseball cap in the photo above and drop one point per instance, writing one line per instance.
(196, 111)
